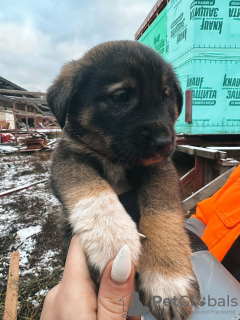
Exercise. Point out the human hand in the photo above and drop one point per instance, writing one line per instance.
(76, 298)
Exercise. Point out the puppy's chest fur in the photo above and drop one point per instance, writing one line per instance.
(115, 175)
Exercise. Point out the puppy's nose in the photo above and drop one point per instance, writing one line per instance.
(161, 143)
(161, 139)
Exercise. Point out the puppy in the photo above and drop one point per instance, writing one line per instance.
(117, 106)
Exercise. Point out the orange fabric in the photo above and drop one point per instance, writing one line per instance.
(221, 214)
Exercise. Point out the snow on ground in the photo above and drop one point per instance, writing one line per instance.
(23, 234)
(28, 223)
(7, 149)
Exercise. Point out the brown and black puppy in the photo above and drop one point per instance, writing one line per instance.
(117, 106)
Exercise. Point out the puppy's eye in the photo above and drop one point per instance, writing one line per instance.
(121, 97)
(165, 96)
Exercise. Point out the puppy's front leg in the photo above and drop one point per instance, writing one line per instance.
(95, 214)
(165, 267)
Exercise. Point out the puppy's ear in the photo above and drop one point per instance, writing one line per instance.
(60, 93)
(179, 96)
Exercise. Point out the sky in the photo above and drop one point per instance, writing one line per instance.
(38, 36)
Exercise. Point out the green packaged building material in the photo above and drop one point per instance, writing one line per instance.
(201, 40)
(156, 35)
(186, 24)
(215, 86)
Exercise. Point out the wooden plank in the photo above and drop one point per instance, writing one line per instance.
(188, 106)
(185, 140)
(15, 120)
(187, 178)
(207, 190)
(199, 173)
(11, 300)
(51, 143)
(26, 186)
(29, 100)
(202, 152)
(233, 152)
(186, 149)
(26, 117)
(224, 148)
(38, 94)
(30, 150)
(29, 115)
(230, 162)
(208, 176)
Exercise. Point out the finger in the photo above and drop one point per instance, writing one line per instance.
(76, 269)
(48, 306)
(134, 290)
(76, 295)
(116, 287)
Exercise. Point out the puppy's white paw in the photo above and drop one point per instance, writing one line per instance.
(169, 296)
(104, 228)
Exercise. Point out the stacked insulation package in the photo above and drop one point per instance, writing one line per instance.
(201, 39)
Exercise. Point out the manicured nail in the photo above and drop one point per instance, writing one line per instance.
(121, 267)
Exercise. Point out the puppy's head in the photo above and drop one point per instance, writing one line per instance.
(122, 100)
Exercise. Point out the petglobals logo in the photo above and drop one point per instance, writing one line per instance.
(206, 305)
(185, 301)
(220, 302)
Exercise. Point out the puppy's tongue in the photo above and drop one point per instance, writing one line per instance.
(148, 162)
(158, 158)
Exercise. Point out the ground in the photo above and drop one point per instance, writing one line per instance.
(28, 223)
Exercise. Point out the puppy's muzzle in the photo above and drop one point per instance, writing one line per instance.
(161, 140)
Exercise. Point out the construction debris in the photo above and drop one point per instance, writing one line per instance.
(11, 300)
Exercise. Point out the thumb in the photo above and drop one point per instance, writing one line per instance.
(116, 287)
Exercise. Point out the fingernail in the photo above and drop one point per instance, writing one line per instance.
(121, 267)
